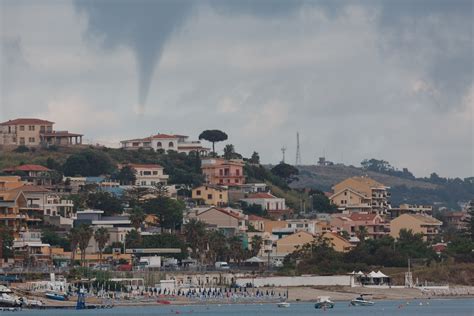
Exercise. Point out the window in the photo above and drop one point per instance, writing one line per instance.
(170, 144)
(31, 139)
(221, 181)
(31, 128)
(236, 180)
(147, 173)
(135, 144)
(345, 192)
(228, 180)
(158, 144)
(155, 173)
(42, 129)
(237, 172)
(221, 172)
(153, 182)
(220, 196)
(22, 140)
(209, 196)
(22, 128)
(198, 192)
(143, 182)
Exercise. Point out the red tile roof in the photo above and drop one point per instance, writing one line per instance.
(362, 217)
(263, 195)
(27, 168)
(26, 121)
(166, 136)
(60, 134)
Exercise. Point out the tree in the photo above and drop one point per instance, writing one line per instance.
(106, 202)
(88, 163)
(85, 235)
(101, 237)
(255, 159)
(216, 245)
(468, 222)
(195, 236)
(256, 244)
(73, 237)
(321, 202)
(136, 217)
(285, 171)
(229, 151)
(362, 233)
(49, 236)
(213, 136)
(133, 239)
(135, 195)
(169, 211)
(6, 243)
(126, 176)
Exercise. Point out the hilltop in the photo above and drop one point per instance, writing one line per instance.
(434, 190)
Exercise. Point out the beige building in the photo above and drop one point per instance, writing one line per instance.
(35, 132)
(339, 243)
(220, 171)
(290, 243)
(166, 142)
(211, 195)
(359, 194)
(419, 224)
(226, 219)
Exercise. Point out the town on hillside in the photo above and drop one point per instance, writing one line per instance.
(168, 214)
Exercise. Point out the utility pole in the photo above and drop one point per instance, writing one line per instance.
(283, 149)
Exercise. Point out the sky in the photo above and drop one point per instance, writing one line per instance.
(391, 80)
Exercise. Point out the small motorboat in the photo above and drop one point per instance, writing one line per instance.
(7, 300)
(56, 296)
(361, 301)
(324, 302)
(283, 304)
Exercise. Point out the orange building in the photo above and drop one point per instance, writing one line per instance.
(220, 171)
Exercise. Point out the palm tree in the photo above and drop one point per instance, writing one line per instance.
(216, 245)
(256, 244)
(136, 217)
(85, 235)
(101, 237)
(235, 248)
(362, 233)
(195, 235)
(74, 241)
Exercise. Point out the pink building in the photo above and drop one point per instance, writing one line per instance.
(219, 171)
(374, 224)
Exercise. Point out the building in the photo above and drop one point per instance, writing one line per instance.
(373, 225)
(361, 194)
(457, 220)
(257, 222)
(166, 142)
(290, 243)
(230, 221)
(419, 224)
(220, 171)
(148, 174)
(35, 174)
(275, 207)
(35, 132)
(30, 251)
(338, 243)
(211, 195)
(411, 209)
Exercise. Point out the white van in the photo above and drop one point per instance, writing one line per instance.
(222, 265)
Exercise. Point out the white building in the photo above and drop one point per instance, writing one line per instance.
(166, 142)
(148, 174)
(266, 200)
(52, 204)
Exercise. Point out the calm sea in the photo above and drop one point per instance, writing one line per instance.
(445, 307)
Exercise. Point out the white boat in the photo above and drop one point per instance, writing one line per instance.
(324, 302)
(361, 301)
(9, 300)
(283, 304)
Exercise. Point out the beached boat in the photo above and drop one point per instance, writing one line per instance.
(7, 300)
(56, 296)
(324, 302)
(361, 301)
(283, 304)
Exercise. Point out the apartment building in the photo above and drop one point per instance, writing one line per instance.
(228, 220)
(34, 174)
(274, 206)
(220, 171)
(35, 132)
(166, 142)
(361, 194)
(411, 209)
(211, 195)
(419, 224)
(373, 225)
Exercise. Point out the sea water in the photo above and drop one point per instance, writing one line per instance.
(457, 307)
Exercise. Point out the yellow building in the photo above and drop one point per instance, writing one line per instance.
(338, 242)
(361, 194)
(290, 243)
(211, 195)
(419, 224)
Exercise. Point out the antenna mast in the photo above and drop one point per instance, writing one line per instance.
(298, 152)
(283, 149)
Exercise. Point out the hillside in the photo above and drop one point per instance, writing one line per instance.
(436, 191)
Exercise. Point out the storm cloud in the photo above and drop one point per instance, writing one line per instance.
(358, 79)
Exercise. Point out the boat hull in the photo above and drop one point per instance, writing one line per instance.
(56, 297)
(361, 303)
(324, 305)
